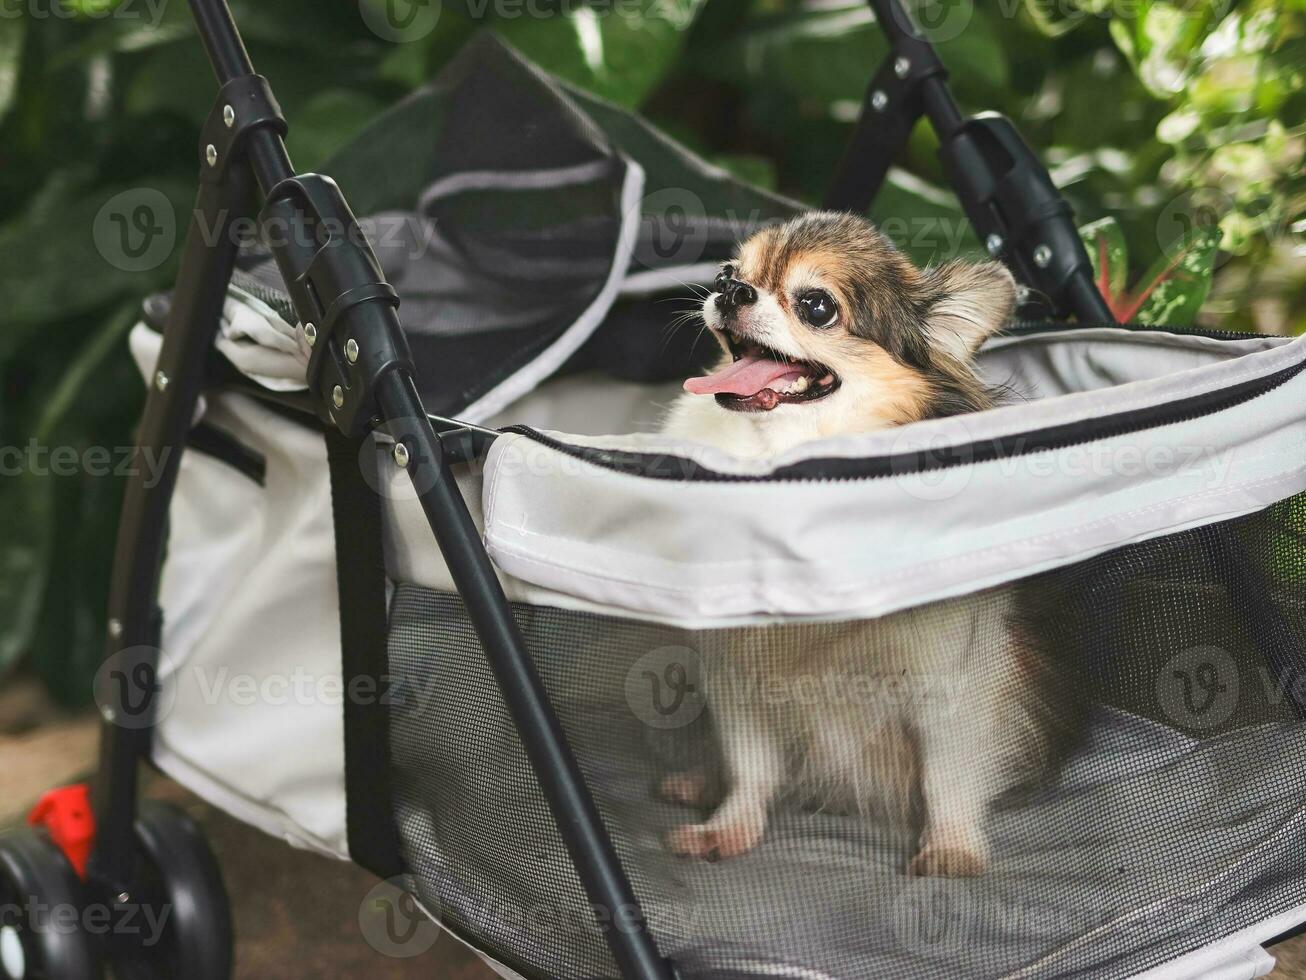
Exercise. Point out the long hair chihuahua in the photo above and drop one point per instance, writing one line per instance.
(827, 329)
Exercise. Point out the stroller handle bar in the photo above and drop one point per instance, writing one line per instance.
(1006, 192)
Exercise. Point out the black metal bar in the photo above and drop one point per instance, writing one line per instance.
(888, 116)
(561, 781)
(207, 260)
(1007, 194)
(265, 149)
(222, 42)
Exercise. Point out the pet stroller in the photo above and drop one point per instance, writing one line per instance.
(485, 723)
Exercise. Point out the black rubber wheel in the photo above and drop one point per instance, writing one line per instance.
(41, 904)
(187, 917)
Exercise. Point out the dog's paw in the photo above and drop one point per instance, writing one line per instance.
(948, 861)
(689, 788)
(715, 842)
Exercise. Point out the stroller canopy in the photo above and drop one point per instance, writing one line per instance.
(516, 216)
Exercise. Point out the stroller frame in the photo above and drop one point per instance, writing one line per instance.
(361, 375)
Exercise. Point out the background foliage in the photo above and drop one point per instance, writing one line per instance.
(1164, 118)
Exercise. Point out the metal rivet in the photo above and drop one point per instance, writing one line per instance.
(901, 66)
(1042, 256)
(879, 100)
(115, 628)
(108, 714)
(123, 898)
(229, 116)
(351, 350)
(337, 396)
(310, 334)
(994, 244)
(401, 455)
(211, 155)
(160, 380)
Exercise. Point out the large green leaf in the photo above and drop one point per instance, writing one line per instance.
(822, 56)
(64, 260)
(40, 474)
(1176, 286)
(1108, 253)
(1160, 40)
(975, 56)
(618, 52)
(327, 123)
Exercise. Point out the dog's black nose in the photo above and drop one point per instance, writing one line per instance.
(735, 293)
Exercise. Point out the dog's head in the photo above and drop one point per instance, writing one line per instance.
(823, 314)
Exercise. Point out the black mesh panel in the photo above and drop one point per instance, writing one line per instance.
(1166, 809)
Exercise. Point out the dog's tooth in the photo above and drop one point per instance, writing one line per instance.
(799, 386)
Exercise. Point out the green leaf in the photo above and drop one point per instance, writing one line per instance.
(976, 56)
(169, 79)
(327, 123)
(615, 52)
(29, 497)
(750, 168)
(309, 25)
(153, 24)
(1110, 256)
(777, 54)
(12, 33)
(1050, 21)
(1178, 282)
(1162, 42)
(406, 65)
(924, 221)
(66, 259)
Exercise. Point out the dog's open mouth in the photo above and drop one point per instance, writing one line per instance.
(760, 378)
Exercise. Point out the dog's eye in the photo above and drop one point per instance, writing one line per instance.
(817, 308)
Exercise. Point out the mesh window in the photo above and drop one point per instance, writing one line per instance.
(1134, 719)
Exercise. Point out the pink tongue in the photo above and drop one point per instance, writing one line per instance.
(746, 376)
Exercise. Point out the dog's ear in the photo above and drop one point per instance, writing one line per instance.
(972, 301)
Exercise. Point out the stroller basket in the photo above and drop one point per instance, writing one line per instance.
(528, 723)
(1150, 494)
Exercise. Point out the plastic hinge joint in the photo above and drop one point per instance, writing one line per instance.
(336, 284)
(1015, 198)
(902, 92)
(249, 104)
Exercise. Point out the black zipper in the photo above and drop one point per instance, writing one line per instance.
(1025, 328)
(835, 469)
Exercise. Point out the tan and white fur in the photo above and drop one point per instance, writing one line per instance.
(957, 702)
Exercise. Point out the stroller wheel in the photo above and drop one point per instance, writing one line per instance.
(41, 900)
(186, 916)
